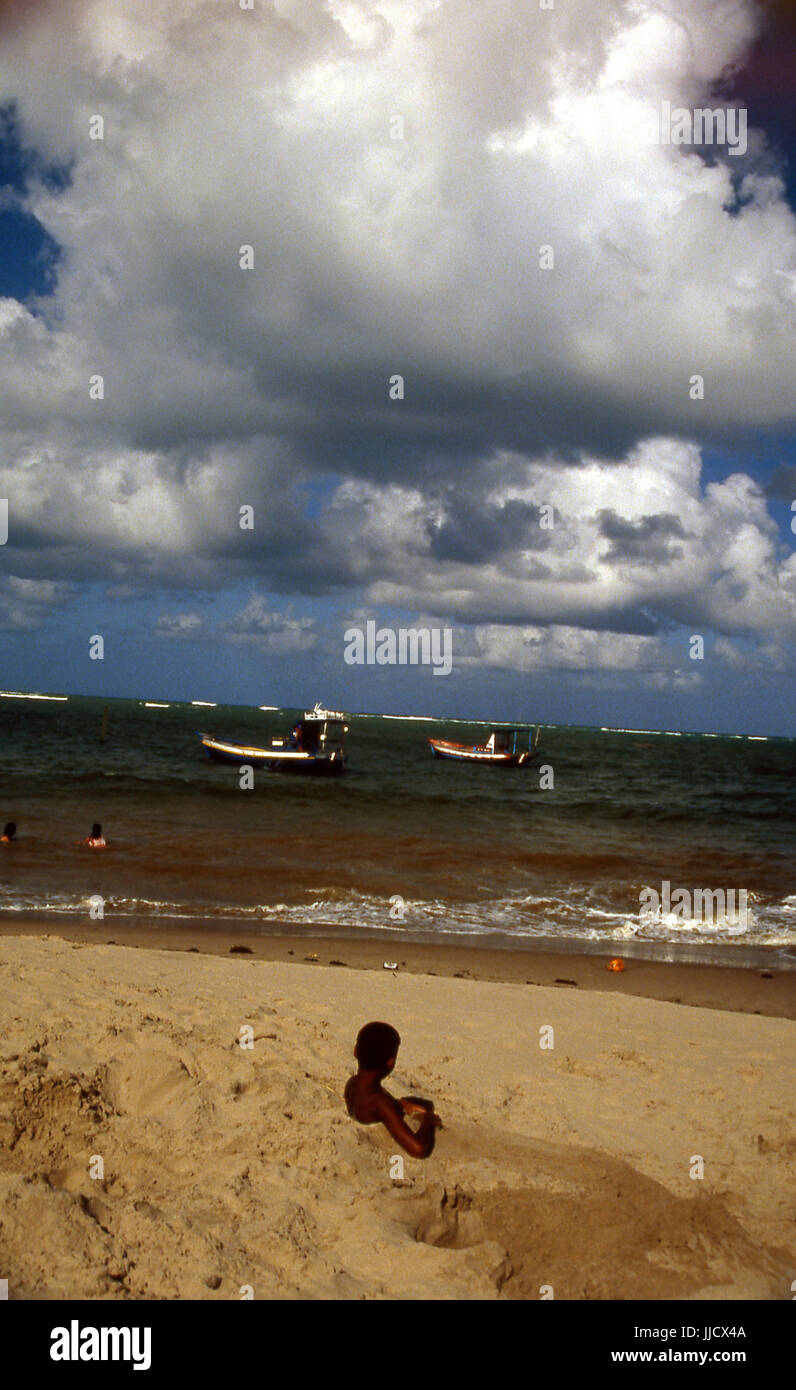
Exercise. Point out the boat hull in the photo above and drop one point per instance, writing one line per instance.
(468, 753)
(275, 759)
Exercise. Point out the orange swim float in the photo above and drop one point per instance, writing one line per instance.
(616, 964)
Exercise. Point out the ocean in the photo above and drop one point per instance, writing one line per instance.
(402, 843)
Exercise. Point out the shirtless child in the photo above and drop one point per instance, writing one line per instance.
(367, 1101)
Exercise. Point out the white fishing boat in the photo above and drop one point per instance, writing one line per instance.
(315, 744)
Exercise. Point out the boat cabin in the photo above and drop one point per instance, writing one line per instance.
(510, 739)
(321, 731)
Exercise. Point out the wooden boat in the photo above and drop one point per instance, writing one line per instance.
(503, 748)
(314, 745)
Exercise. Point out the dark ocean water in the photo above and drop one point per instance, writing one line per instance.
(401, 841)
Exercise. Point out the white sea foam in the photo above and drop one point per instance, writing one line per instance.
(529, 916)
(626, 932)
(22, 695)
(606, 729)
(415, 718)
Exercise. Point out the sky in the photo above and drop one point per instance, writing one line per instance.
(418, 313)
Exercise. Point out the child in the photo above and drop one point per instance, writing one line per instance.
(9, 833)
(96, 839)
(367, 1101)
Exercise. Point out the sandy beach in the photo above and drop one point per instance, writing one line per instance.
(226, 1168)
(761, 987)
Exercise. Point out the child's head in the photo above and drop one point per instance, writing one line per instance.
(10, 830)
(96, 831)
(376, 1047)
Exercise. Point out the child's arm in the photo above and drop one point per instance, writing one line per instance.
(419, 1145)
(415, 1105)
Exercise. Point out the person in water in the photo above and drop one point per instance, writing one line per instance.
(9, 833)
(95, 840)
(367, 1101)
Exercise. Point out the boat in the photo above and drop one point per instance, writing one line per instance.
(503, 748)
(315, 745)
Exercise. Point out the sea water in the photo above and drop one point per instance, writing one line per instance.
(402, 843)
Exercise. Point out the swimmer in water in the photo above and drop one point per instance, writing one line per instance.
(9, 833)
(96, 839)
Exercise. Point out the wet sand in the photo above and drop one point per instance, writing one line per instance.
(759, 989)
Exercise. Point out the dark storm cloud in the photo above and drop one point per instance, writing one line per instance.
(645, 539)
(782, 483)
(476, 534)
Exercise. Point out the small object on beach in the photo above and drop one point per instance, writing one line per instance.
(390, 965)
(559, 982)
(312, 956)
(240, 950)
(616, 964)
(766, 975)
(337, 962)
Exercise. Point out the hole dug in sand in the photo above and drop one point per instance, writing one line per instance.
(454, 1222)
(625, 1236)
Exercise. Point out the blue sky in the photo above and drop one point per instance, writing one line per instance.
(568, 387)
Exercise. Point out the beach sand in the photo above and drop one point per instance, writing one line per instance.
(762, 988)
(229, 1168)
